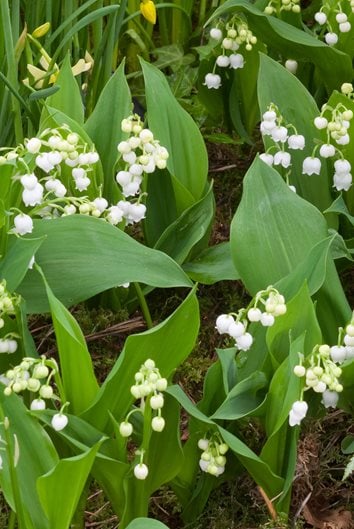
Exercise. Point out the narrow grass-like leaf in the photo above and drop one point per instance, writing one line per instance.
(68, 98)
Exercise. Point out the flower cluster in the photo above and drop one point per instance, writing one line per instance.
(212, 459)
(273, 125)
(8, 302)
(141, 153)
(335, 122)
(235, 324)
(332, 21)
(35, 375)
(321, 372)
(148, 387)
(275, 7)
(231, 37)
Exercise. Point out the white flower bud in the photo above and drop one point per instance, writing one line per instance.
(297, 412)
(345, 27)
(311, 166)
(11, 346)
(348, 340)
(203, 444)
(350, 329)
(254, 314)
(34, 196)
(161, 384)
(342, 166)
(33, 145)
(46, 392)
(59, 421)
(338, 353)
(158, 424)
(215, 33)
(236, 61)
(223, 323)
(279, 134)
(327, 150)
(123, 147)
(223, 61)
(296, 142)
(267, 158)
(141, 471)
(291, 65)
(331, 39)
(236, 329)
(330, 399)
(299, 371)
(244, 342)
(282, 158)
(267, 320)
(320, 122)
(212, 80)
(342, 182)
(125, 429)
(320, 387)
(320, 17)
(29, 181)
(126, 125)
(157, 401)
(23, 224)
(37, 404)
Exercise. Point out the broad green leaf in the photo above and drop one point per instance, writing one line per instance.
(180, 237)
(37, 456)
(212, 265)
(333, 65)
(68, 98)
(104, 126)
(340, 208)
(160, 204)
(265, 241)
(59, 493)
(78, 377)
(275, 84)
(243, 399)
(168, 344)
(176, 130)
(14, 266)
(313, 269)
(300, 317)
(146, 523)
(95, 257)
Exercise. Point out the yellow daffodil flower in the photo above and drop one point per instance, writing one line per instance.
(148, 10)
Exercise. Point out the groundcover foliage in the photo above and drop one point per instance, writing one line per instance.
(105, 196)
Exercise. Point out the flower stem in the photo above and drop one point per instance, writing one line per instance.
(143, 305)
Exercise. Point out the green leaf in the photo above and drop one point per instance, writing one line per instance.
(180, 237)
(146, 523)
(37, 456)
(79, 381)
(168, 344)
(104, 126)
(20, 251)
(95, 257)
(68, 98)
(333, 65)
(212, 265)
(275, 84)
(347, 444)
(243, 399)
(44, 93)
(268, 220)
(188, 160)
(59, 493)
